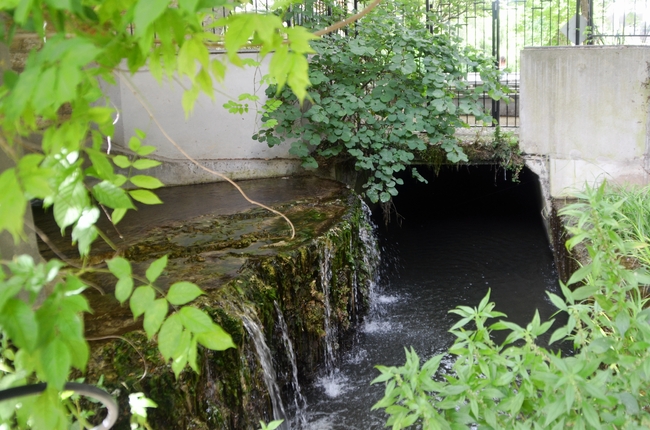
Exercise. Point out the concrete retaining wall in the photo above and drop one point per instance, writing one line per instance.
(585, 115)
(218, 139)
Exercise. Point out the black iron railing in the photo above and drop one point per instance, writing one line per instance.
(502, 28)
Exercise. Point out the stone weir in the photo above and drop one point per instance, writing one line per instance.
(287, 303)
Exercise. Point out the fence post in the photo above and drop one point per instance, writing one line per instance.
(496, 41)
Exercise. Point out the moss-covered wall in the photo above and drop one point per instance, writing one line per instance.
(230, 392)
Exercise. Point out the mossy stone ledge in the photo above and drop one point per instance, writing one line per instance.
(246, 263)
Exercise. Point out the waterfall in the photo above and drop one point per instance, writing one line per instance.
(298, 399)
(331, 341)
(249, 318)
(371, 256)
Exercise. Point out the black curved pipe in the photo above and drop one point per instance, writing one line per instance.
(84, 389)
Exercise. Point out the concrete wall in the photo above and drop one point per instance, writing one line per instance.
(585, 115)
(218, 139)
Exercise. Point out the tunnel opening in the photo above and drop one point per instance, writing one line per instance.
(470, 230)
(467, 190)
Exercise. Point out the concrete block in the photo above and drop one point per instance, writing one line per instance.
(587, 110)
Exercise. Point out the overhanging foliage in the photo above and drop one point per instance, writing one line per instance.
(387, 88)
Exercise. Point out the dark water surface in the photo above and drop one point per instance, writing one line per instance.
(465, 232)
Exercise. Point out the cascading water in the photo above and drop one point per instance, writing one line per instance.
(371, 257)
(331, 342)
(299, 420)
(365, 269)
(250, 320)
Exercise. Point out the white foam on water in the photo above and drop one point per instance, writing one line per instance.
(378, 327)
(387, 299)
(325, 423)
(359, 357)
(333, 384)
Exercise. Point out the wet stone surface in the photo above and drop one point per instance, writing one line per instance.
(250, 268)
(208, 231)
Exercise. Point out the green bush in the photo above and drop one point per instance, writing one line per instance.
(521, 385)
(382, 92)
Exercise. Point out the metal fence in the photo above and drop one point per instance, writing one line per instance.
(502, 28)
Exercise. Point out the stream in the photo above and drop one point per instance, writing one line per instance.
(468, 231)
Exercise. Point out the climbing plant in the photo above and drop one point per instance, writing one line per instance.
(381, 91)
(519, 384)
(57, 102)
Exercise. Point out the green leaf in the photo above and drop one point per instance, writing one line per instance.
(145, 163)
(170, 336)
(558, 334)
(145, 150)
(216, 339)
(60, 4)
(19, 321)
(120, 267)
(584, 292)
(101, 163)
(34, 179)
(67, 79)
(192, 353)
(138, 404)
(70, 200)
(557, 301)
(181, 293)
(630, 402)
(12, 204)
(84, 231)
(156, 268)
(195, 320)
(179, 364)
(622, 322)
(554, 410)
(145, 196)
(154, 316)
(134, 144)
(141, 300)
(117, 215)
(144, 181)
(188, 5)
(123, 289)
(600, 345)
(590, 414)
(146, 12)
(122, 161)
(47, 411)
(112, 196)
(580, 274)
(192, 51)
(44, 95)
(55, 360)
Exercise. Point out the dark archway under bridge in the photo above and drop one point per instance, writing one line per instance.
(455, 190)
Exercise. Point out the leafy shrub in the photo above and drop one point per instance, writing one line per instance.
(521, 385)
(382, 92)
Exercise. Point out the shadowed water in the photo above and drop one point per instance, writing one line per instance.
(467, 232)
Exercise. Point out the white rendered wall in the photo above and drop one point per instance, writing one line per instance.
(218, 139)
(585, 111)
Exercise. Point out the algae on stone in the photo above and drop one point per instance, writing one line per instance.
(243, 261)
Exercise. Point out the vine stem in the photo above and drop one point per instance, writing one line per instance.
(349, 20)
(332, 28)
(144, 362)
(123, 78)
